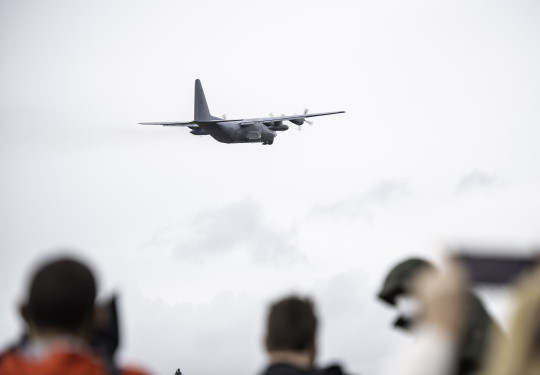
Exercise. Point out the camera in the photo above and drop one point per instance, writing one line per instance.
(497, 266)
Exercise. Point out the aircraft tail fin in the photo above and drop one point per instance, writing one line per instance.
(202, 113)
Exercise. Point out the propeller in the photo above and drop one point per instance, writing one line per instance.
(299, 126)
(306, 121)
(310, 123)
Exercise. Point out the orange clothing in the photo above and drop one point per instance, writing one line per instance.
(57, 363)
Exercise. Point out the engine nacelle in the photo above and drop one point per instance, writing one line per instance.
(279, 128)
(198, 131)
(272, 123)
(297, 121)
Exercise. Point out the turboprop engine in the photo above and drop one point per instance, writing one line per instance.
(297, 121)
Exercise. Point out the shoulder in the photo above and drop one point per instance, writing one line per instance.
(16, 363)
(126, 370)
(332, 370)
(286, 369)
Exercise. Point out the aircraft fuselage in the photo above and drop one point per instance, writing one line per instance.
(233, 132)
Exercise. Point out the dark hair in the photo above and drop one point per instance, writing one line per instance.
(62, 294)
(291, 324)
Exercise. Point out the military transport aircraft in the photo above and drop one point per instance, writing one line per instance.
(251, 130)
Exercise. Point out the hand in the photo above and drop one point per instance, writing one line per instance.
(442, 296)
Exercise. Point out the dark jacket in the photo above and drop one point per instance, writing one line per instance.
(479, 327)
(286, 369)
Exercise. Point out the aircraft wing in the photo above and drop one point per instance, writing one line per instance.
(270, 120)
(245, 122)
(319, 114)
(168, 123)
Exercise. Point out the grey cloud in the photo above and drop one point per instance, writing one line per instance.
(474, 180)
(238, 226)
(385, 193)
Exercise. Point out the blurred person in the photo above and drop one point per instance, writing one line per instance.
(291, 339)
(60, 317)
(519, 353)
(456, 328)
(438, 330)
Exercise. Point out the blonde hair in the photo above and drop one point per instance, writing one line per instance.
(519, 353)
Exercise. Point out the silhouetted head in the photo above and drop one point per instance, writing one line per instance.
(61, 296)
(291, 325)
(400, 276)
(396, 290)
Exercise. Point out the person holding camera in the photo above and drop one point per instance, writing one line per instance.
(452, 327)
(59, 314)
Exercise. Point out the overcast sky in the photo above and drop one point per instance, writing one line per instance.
(439, 146)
